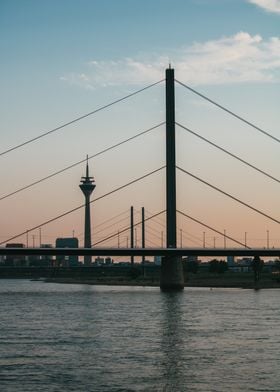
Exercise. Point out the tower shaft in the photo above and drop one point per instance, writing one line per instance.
(87, 235)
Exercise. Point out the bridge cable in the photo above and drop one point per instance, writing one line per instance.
(156, 221)
(191, 237)
(152, 232)
(104, 224)
(229, 153)
(125, 218)
(215, 230)
(152, 242)
(78, 119)
(229, 111)
(80, 162)
(125, 212)
(230, 196)
(81, 206)
(108, 226)
(185, 233)
(127, 228)
(147, 229)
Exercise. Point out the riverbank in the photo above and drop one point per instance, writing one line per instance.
(243, 280)
(127, 276)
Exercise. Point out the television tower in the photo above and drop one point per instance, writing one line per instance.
(87, 186)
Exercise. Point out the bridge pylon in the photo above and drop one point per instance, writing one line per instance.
(172, 276)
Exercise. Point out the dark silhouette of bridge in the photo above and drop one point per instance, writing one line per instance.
(171, 268)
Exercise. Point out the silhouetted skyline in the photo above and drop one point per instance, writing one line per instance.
(62, 60)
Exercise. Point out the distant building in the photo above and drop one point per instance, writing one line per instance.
(67, 242)
(191, 263)
(157, 260)
(243, 265)
(245, 261)
(191, 259)
(46, 259)
(99, 260)
(15, 260)
(230, 261)
(109, 261)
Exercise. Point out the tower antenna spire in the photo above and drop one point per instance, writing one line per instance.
(87, 171)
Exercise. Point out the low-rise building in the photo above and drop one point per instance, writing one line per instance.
(67, 242)
(15, 260)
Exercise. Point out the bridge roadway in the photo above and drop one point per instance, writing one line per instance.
(169, 252)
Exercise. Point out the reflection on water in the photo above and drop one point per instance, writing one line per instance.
(57, 337)
(172, 343)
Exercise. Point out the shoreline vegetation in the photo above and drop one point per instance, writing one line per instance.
(127, 276)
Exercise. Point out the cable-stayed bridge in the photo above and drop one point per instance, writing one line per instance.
(169, 249)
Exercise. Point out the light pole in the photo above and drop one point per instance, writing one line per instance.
(267, 239)
(181, 238)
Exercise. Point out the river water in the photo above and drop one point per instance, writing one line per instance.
(61, 337)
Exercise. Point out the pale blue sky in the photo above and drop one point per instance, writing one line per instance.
(61, 59)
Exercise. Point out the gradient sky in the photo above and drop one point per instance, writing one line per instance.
(62, 59)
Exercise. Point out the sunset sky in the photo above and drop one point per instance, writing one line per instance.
(63, 59)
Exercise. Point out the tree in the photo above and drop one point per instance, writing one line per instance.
(257, 265)
(191, 266)
(218, 266)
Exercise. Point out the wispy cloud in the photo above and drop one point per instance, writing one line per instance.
(268, 5)
(237, 59)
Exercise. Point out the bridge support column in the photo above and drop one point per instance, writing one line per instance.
(172, 277)
(171, 274)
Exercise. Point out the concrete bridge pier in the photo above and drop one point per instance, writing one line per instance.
(171, 274)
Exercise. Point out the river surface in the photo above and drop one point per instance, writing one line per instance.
(61, 337)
